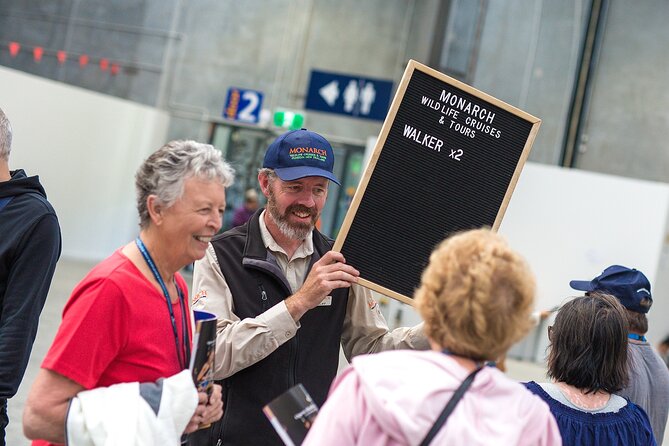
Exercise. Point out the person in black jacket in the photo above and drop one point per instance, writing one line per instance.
(30, 245)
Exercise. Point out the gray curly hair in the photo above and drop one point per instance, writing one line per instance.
(164, 172)
(5, 136)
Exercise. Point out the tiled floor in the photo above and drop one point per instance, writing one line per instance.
(68, 273)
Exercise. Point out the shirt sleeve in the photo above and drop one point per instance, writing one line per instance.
(94, 320)
(239, 343)
(366, 331)
(26, 290)
(642, 423)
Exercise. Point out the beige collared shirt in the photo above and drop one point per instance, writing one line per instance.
(241, 343)
(294, 269)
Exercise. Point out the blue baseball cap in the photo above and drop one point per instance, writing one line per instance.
(629, 285)
(300, 153)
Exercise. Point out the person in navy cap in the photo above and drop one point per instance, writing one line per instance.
(648, 384)
(285, 302)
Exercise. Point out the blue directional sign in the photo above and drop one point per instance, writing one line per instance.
(355, 96)
(243, 105)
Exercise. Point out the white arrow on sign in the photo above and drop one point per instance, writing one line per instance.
(330, 92)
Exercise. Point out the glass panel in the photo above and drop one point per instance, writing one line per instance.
(325, 223)
(244, 149)
(221, 139)
(349, 172)
(460, 40)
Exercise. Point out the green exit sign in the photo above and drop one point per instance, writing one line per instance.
(288, 119)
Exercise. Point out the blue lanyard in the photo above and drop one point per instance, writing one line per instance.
(185, 349)
(636, 337)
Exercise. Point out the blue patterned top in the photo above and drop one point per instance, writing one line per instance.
(628, 426)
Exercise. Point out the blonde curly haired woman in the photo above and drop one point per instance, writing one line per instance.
(476, 296)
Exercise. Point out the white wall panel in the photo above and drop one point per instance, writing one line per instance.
(85, 147)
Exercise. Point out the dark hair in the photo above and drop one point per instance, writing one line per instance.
(638, 322)
(665, 341)
(588, 348)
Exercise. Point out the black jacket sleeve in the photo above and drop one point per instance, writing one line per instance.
(31, 271)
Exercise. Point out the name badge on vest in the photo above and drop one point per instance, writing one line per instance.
(326, 302)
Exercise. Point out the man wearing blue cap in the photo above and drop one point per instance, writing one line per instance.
(285, 302)
(648, 384)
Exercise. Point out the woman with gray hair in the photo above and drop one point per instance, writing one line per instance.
(129, 319)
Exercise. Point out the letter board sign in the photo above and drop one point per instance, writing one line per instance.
(447, 159)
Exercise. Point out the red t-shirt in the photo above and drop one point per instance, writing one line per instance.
(116, 328)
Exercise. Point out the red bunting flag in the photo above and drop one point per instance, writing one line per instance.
(61, 56)
(14, 48)
(38, 51)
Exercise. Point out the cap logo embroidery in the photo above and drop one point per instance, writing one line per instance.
(302, 153)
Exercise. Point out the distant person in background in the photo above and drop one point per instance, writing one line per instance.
(587, 362)
(30, 246)
(247, 209)
(475, 296)
(648, 385)
(663, 350)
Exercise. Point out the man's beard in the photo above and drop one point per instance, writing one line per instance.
(292, 230)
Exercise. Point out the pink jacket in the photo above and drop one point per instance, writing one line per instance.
(393, 398)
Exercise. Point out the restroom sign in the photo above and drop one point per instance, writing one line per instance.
(355, 96)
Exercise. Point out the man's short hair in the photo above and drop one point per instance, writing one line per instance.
(638, 322)
(5, 136)
(476, 295)
(269, 173)
(588, 344)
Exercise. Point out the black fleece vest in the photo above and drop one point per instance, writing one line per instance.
(311, 357)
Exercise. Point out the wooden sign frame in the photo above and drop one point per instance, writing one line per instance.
(488, 137)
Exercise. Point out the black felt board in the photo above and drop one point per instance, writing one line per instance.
(418, 189)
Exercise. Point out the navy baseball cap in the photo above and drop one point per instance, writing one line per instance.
(630, 286)
(300, 153)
